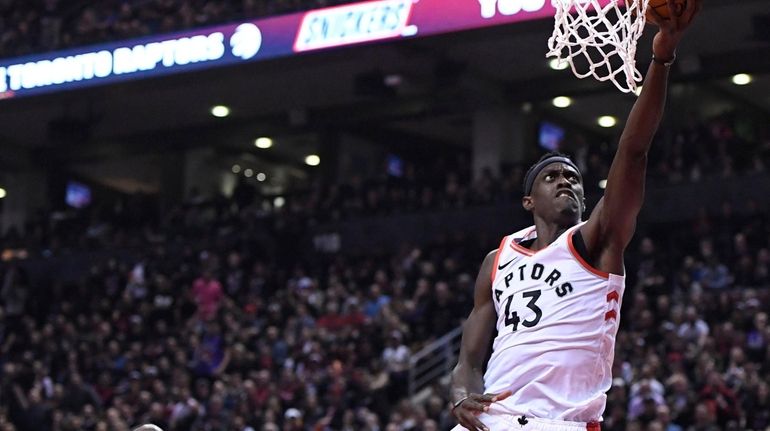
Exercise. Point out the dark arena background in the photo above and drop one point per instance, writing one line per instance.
(255, 215)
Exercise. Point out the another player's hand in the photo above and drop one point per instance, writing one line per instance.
(672, 29)
(468, 410)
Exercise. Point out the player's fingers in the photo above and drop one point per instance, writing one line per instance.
(678, 13)
(491, 398)
(464, 419)
(487, 398)
(473, 423)
(657, 18)
(503, 395)
(474, 405)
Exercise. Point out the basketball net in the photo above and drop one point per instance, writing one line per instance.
(599, 41)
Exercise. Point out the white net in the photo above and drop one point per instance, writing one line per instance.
(598, 38)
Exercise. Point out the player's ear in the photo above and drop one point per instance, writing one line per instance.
(527, 203)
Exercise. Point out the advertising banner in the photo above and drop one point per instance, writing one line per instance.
(310, 31)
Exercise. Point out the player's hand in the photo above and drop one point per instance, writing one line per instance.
(671, 30)
(468, 410)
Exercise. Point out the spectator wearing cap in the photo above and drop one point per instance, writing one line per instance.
(292, 420)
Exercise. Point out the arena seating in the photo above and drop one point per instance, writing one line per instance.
(192, 332)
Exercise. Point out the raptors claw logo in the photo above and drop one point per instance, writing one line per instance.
(246, 41)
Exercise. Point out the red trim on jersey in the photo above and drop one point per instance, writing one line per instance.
(497, 259)
(593, 426)
(613, 295)
(612, 314)
(582, 261)
(524, 250)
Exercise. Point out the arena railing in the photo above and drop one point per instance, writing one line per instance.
(433, 362)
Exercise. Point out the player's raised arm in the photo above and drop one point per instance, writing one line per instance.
(468, 398)
(613, 221)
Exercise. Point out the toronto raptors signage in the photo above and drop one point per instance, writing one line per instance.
(314, 30)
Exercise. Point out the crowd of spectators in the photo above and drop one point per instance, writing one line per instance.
(30, 26)
(720, 148)
(217, 321)
(219, 339)
(724, 147)
(207, 334)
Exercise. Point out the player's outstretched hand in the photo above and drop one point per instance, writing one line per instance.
(672, 29)
(468, 410)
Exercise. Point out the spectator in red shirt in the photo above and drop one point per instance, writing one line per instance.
(207, 292)
(720, 399)
(332, 320)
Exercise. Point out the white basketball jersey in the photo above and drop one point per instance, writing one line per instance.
(557, 318)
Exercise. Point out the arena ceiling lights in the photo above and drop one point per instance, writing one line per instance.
(742, 79)
(557, 64)
(272, 37)
(607, 121)
(263, 142)
(312, 160)
(220, 111)
(561, 101)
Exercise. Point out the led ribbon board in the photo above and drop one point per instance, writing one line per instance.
(261, 39)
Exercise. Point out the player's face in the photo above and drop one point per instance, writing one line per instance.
(557, 194)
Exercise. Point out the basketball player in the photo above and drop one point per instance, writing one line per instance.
(546, 302)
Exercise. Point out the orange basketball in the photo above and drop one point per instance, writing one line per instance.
(661, 7)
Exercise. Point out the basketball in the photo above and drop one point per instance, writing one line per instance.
(661, 7)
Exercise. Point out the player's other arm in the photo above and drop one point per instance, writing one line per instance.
(467, 395)
(613, 221)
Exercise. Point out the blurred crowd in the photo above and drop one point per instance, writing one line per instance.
(724, 147)
(30, 26)
(219, 339)
(210, 334)
(216, 321)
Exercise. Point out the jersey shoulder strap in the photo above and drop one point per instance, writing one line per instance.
(509, 245)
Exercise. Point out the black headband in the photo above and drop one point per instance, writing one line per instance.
(529, 180)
